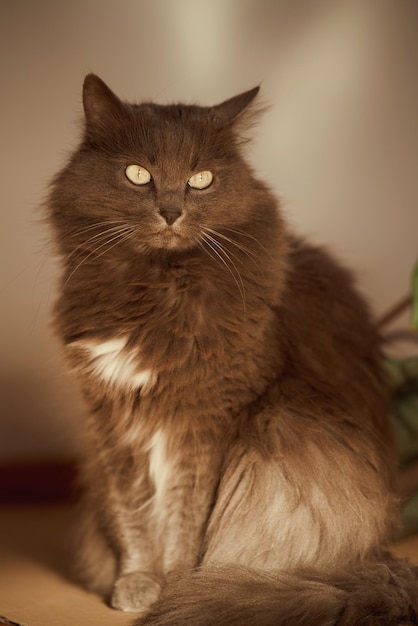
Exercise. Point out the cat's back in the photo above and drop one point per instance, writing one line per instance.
(333, 349)
(323, 300)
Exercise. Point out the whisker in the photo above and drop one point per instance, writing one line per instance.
(238, 231)
(102, 234)
(85, 229)
(228, 254)
(215, 246)
(235, 243)
(121, 237)
(246, 251)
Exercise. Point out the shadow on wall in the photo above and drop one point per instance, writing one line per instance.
(33, 423)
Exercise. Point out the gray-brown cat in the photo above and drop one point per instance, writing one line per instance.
(238, 458)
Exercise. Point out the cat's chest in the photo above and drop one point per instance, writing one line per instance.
(163, 297)
(171, 312)
(167, 331)
(165, 336)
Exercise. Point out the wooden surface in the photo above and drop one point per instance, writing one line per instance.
(35, 582)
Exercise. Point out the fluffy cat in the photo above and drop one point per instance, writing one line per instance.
(238, 463)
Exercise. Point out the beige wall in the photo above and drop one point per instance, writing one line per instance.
(339, 143)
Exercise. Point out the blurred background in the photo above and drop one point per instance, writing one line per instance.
(339, 144)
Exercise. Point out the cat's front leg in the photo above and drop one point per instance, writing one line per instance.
(140, 579)
(164, 536)
(122, 500)
(125, 574)
(185, 489)
(176, 524)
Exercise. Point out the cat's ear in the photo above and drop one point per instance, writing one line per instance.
(230, 110)
(100, 103)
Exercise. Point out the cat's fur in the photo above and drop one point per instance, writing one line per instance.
(238, 453)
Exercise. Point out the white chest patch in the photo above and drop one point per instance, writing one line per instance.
(115, 364)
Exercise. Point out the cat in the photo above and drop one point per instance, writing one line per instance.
(238, 463)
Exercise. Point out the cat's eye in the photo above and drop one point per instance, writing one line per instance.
(138, 175)
(201, 180)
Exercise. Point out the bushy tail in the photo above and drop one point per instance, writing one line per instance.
(381, 594)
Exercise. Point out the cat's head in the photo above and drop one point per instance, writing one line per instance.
(156, 176)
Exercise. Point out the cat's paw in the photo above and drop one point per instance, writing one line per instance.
(135, 592)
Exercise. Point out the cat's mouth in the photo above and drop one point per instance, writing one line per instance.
(171, 237)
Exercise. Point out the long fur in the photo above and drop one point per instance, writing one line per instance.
(238, 464)
(373, 594)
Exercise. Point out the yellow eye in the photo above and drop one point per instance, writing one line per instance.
(200, 180)
(138, 175)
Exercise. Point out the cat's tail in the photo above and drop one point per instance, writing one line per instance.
(370, 594)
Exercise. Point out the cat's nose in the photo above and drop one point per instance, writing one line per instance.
(170, 215)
